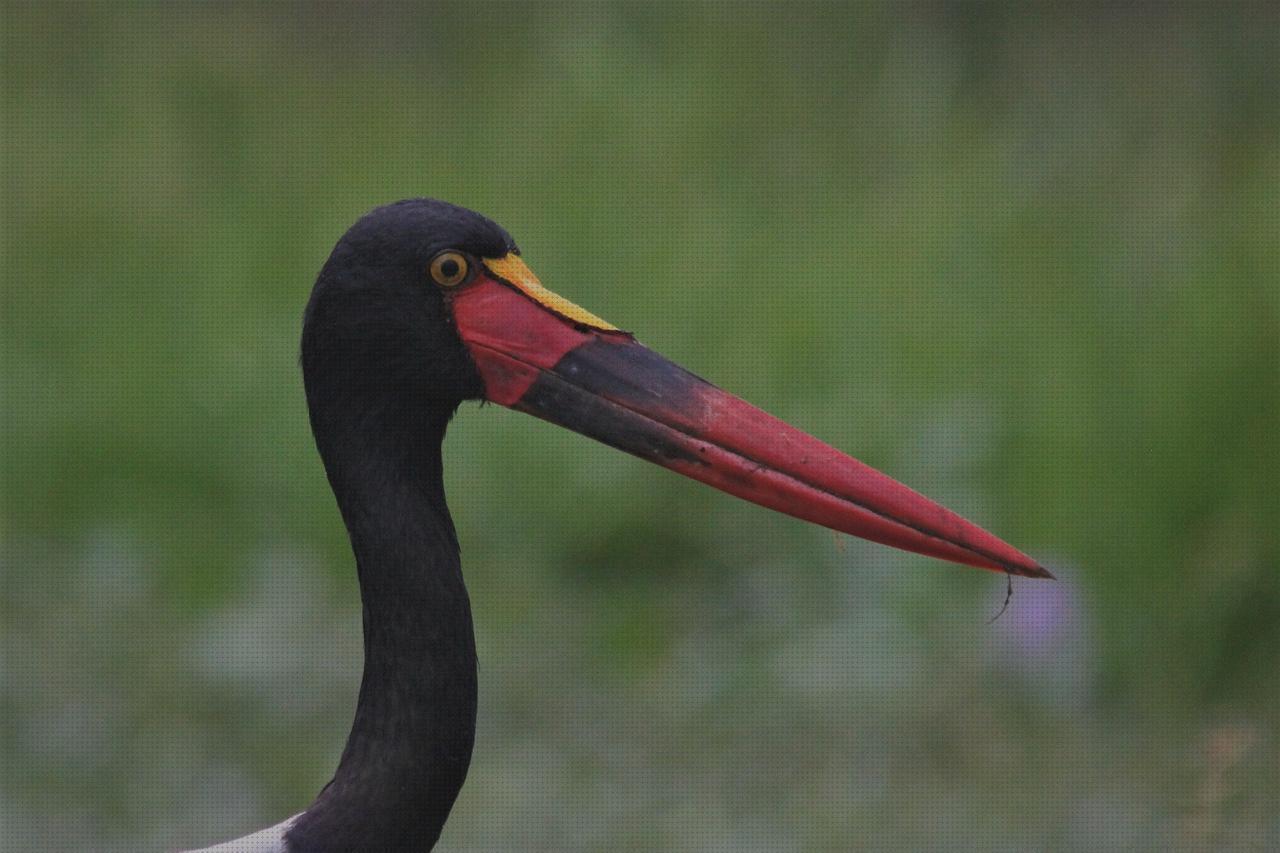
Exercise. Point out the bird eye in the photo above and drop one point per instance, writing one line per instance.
(450, 269)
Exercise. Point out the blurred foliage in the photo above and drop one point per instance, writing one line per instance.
(1024, 258)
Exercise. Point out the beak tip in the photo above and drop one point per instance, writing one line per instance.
(1035, 570)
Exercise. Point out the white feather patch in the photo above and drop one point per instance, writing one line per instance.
(269, 840)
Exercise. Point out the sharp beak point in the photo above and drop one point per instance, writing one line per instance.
(541, 354)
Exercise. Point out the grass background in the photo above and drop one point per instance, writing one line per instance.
(1025, 258)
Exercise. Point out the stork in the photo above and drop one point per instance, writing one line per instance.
(420, 306)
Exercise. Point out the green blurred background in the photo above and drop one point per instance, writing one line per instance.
(1026, 259)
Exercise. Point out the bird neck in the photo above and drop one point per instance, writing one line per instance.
(410, 743)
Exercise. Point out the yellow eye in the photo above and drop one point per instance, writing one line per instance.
(450, 268)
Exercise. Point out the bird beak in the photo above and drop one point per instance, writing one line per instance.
(541, 354)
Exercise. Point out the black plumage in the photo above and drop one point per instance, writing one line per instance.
(384, 373)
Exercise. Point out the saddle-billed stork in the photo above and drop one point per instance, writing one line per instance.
(423, 305)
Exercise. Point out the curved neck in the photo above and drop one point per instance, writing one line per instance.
(410, 744)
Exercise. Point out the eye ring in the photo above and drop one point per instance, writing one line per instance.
(450, 268)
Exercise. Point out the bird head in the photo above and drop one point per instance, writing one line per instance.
(423, 304)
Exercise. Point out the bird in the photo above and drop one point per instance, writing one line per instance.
(423, 305)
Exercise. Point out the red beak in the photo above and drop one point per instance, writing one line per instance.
(540, 354)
